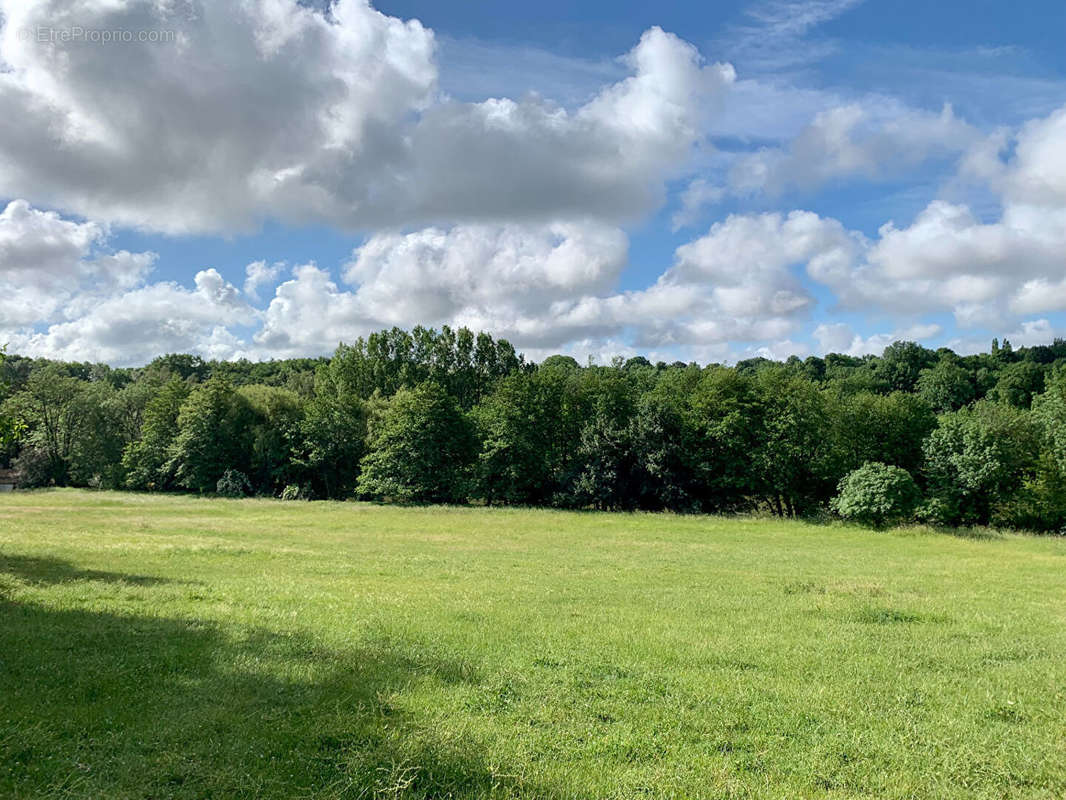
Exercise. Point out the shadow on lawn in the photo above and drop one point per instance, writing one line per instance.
(102, 704)
(45, 571)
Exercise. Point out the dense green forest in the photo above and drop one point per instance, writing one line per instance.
(450, 416)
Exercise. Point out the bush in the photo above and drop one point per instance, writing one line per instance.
(877, 495)
(295, 492)
(233, 484)
(33, 468)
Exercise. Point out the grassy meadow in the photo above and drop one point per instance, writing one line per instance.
(176, 647)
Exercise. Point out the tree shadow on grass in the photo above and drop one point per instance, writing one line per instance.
(48, 571)
(101, 704)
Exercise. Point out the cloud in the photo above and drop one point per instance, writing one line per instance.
(258, 274)
(738, 283)
(839, 337)
(777, 33)
(986, 273)
(135, 326)
(46, 261)
(858, 140)
(549, 287)
(509, 279)
(269, 109)
(694, 199)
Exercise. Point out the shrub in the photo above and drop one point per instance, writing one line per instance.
(33, 468)
(876, 494)
(295, 492)
(233, 484)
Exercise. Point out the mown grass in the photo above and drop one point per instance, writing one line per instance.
(156, 646)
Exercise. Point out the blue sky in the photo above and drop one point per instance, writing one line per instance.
(706, 181)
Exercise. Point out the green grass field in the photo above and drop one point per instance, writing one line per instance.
(157, 647)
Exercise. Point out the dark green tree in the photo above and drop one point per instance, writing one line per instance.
(794, 453)
(49, 408)
(333, 436)
(901, 364)
(215, 429)
(976, 459)
(276, 437)
(1018, 383)
(421, 448)
(147, 459)
(945, 386)
(10, 425)
(880, 428)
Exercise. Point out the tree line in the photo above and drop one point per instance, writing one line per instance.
(451, 416)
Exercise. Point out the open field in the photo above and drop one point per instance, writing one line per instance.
(155, 646)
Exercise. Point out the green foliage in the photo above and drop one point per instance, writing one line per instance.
(11, 427)
(465, 365)
(276, 436)
(873, 427)
(420, 448)
(49, 409)
(295, 492)
(901, 365)
(99, 439)
(877, 495)
(147, 460)
(517, 427)
(725, 414)
(332, 435)
(1049, 413)
(764, 435)
(794, 459)
(215, 434)
(233, 484)
(1018, 383)
(975, 460)
(946, 386)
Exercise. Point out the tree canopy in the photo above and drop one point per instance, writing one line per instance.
(454, 416)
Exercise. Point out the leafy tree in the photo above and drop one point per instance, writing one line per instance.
(1049, 413)
(726, 413)
(793, 455)
(901, 365)
(420, 448)
(879, 428)
(664, 441)
(560, 362)
(608, 472)
(275, 435)
(147, 459)
(514, 426)
(10, 425)
(214, 435)
(333, 436)
(98, 438)
(177, 365)
(49, 408)
(976, 459)
(465, 365)
(610, 475)
(1018, 383)
(877, 495)
(945, 386)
